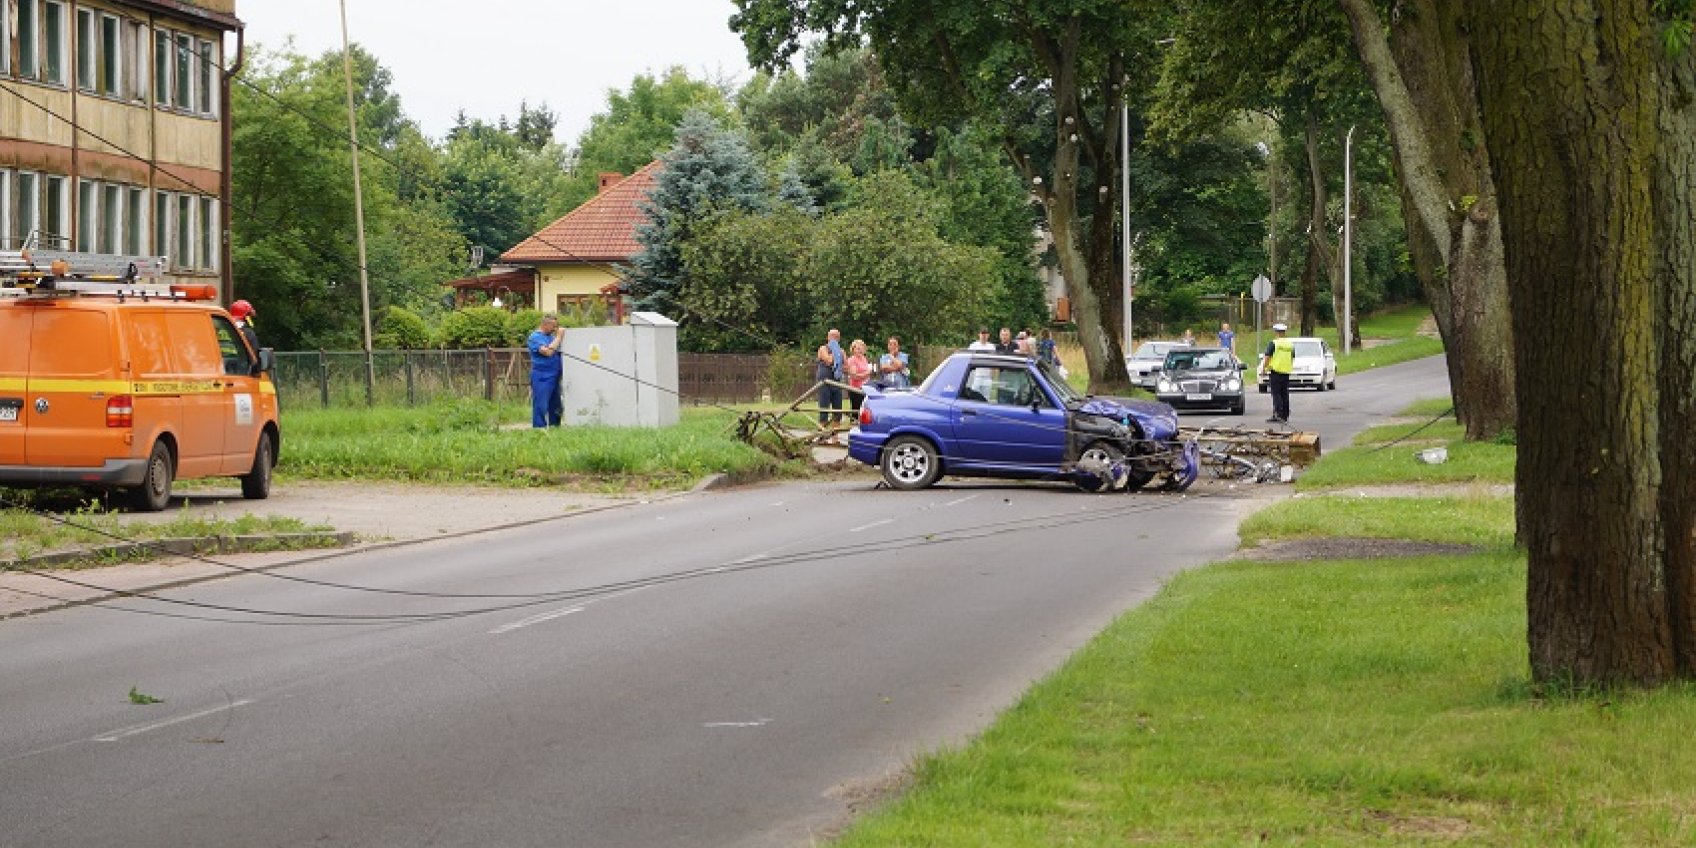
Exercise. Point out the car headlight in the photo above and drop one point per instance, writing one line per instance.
(1233, 384)
(1165, 385)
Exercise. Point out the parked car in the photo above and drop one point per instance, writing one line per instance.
(1143, 364)
(995, 415)
(107, 389)
(1201, 378)
(1315, 365)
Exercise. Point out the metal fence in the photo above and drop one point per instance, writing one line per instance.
(410, 377)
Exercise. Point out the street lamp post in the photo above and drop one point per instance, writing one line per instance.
(358, 211)
(1347, 323)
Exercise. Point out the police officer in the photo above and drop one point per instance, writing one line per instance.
(1276, 363)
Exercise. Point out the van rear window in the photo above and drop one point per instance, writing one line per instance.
(71, 343)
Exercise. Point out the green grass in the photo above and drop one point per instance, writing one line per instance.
(1482, 520)
(474, 441)
(1320, 703)
(24, 533)
(1384, 455)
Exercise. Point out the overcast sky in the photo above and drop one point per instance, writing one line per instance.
(487, 55)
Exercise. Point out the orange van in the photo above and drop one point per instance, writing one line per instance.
(131, 393)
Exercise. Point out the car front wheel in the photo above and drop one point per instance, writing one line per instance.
(910, 462)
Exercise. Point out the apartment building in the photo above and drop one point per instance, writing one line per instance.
(114, 128)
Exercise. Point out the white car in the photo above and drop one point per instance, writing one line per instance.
(1315, 365)
(1149, 356)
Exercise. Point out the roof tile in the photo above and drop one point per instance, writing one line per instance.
(603, 229)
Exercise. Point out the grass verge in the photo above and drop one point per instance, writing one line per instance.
(1385, 456)
(1325, 703)
(478, 442)
(26, 534)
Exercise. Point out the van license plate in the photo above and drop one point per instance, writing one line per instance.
(9, 409)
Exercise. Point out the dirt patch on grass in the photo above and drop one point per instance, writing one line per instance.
(862, 796)
(1297, 550)
(1427, 827)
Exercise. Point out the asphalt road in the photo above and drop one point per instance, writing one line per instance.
(734, 668)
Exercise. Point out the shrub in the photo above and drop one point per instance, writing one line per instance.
(403, 329)
(520, 324)
(477, 326)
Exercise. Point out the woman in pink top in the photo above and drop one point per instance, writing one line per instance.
(857, 369)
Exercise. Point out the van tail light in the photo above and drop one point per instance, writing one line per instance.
(120, 411)
(865, 414)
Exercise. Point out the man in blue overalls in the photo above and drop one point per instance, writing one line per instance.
(546, 406)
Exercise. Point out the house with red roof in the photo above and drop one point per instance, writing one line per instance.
(575, 260)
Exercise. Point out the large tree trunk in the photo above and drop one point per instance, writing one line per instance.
(1592, 138)
(1316, 250)
(1085, 249)
(1422, 75)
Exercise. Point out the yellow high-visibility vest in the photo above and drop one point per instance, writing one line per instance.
(1283, 358)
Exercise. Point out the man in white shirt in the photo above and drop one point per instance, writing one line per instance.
(983, 342)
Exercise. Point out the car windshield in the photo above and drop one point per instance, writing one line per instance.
(1152, 350)
(1180, 359)
(1058, 383)
(1308, 349)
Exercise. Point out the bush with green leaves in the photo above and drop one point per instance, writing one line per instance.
(520, 324)
(476, 326)
(401, 329)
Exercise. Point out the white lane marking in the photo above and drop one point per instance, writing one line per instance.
(144, 728)
(780, 503)
(758, 723)
(959, 500)
(538, 618)
(871, 525)
(745, 560)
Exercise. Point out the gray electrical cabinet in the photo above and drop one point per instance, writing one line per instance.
(623, 376)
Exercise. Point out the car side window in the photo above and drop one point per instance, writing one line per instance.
(1002, 386)
(238, 361)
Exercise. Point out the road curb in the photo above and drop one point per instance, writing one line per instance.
(183, 546)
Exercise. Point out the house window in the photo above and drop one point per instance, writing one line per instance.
(53, 41)
(85, 49)
(136, 215)
(135, 47)
(5, 56)
(88, 209)
(56, 209)
(208, 235)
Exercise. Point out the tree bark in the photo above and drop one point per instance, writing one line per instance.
(1591, 131)
(1421, 73)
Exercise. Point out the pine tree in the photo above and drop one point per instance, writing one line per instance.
(708, 170)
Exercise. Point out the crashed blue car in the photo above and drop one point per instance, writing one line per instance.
(998, 415)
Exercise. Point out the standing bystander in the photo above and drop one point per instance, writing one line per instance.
(1007, 344)
(894, 366)
(829, 368)
(1227, 339)
(547, 407)
(858, 369)
(983, 343)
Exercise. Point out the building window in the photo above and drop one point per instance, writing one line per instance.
(56, 211)
(111, 57)
(88, 208)
(208, 62)
(5, 59)
(162, 224)
(136, 214)
(29, 40)
(7, 241)
(185, 231)
(208, 235)
(111, 218)
(53, 42)
(162, 68)
(29, 205)
(135, 48)
(85, 49)
(184, 72)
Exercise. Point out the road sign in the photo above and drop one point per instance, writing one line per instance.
(1262, 289)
